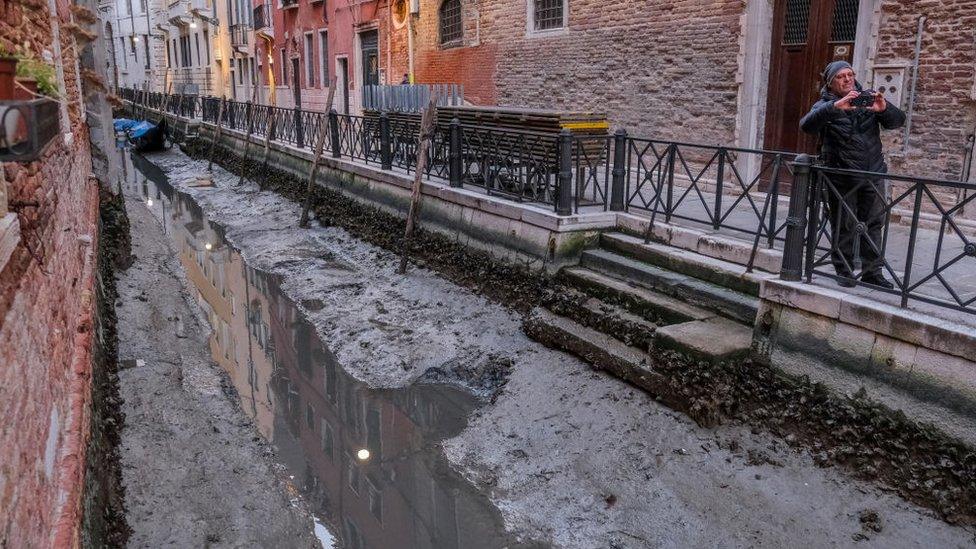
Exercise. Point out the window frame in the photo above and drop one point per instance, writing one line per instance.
(530, 23)
(308, 45)
(456, 41)
(324, 73)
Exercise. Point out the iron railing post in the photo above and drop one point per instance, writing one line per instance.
(618, 187)
(299, 131)
(386, 154)
(719, 189)
(815, 195)
(334, 133)
(456, 162)
(564, 201)
(795, 222)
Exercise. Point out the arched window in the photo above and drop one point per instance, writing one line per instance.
(452, 28)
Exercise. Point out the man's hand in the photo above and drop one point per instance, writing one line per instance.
(844, 103)
(879, 105)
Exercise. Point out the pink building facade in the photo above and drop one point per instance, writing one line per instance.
(302, 44)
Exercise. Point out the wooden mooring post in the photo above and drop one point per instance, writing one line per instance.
(216, 135)
(250, 130)
(319, 145)
(425, 137)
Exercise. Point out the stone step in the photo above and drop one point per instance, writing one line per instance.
(632, 329)
(641, 301)
(717, 271)
(713, 340)
(601, 351)
(697, 292)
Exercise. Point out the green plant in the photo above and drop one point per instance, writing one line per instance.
(29, 66)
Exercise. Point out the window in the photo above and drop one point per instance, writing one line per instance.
(206, 46)
(240, 72)
(452, 28)
(176, 55)
(125, 58)
(324, 57)
(169, 58)
(196, 38)
(284, 67)
(145, 44)
(375, 500)
(142, 6)
(797, 21)
(310, 417)
(548, 14)
(328, 441)
(309, 60)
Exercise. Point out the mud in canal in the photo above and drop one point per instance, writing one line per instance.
(411, 412)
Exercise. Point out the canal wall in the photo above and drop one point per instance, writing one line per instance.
(517, 232)
(873, 348)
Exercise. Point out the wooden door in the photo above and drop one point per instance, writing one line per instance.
(806, 35)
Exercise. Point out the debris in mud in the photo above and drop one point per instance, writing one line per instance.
(869, 440)
(870, 520)
(484, 375)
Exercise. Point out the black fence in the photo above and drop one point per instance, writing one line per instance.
(852, 226)
(915, 236)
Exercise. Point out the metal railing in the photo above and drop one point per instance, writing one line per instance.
(239, 34)
(848, 225)
(773, 198)
(262, 18)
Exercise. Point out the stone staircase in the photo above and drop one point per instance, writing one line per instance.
(638, 299)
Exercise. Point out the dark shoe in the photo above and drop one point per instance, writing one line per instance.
(846, 278)
(877, 279)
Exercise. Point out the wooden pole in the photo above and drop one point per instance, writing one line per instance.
(250, 129)
(319, 145)
(216, 136)
(425, 137)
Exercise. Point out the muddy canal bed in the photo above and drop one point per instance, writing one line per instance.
(409, 412)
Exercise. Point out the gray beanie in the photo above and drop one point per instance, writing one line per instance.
(832, 69)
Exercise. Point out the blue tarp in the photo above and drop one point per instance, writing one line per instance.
(123, 124)
(141, 129)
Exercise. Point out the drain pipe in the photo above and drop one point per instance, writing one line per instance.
(911, 92)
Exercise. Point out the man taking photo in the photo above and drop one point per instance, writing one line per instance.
(849, 121)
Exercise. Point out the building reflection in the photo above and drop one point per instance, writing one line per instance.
(319, 417)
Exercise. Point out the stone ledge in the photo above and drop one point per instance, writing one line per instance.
(906, 325)
(707, 243)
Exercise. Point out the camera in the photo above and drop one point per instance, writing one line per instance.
(866, 99)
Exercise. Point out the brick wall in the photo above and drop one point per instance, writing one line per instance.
(46, 312)
(669, 69)
(654, 67)
(945, 109)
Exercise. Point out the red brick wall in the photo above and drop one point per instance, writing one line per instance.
(945, 110)
(45, 317)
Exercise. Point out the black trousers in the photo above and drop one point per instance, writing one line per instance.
(856, 207)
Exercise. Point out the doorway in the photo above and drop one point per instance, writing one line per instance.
(369, 46)
(806, 35)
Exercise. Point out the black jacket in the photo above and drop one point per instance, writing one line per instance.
(850, 139)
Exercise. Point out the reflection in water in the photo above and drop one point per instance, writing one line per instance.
(366, 459)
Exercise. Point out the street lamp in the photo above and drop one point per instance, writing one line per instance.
(363, 454)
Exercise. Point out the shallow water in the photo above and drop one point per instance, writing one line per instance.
(368, 461)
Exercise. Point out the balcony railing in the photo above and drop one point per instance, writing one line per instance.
(239, 35)
(285, 4)
(262, 20)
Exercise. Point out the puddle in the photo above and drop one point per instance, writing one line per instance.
(367, 461)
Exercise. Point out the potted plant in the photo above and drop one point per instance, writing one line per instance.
(20, 112)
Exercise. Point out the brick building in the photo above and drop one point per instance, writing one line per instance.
(48, 237)
(725, 72)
